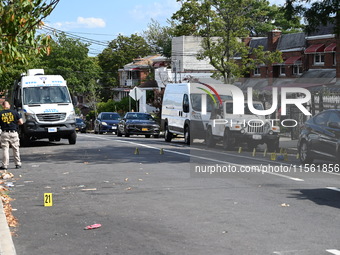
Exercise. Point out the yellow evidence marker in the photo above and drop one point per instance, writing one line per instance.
(48, 200)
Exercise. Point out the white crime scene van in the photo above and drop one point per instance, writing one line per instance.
(186, 108)
(45, 105)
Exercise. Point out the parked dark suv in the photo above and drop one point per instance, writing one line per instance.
(320, 137)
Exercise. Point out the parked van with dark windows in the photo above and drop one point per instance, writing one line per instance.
(187, 108)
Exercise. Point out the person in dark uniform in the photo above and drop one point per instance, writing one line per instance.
(9, 122)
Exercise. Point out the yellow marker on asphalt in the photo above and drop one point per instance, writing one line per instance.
(254, 152)
(273, 156)
(136, 151)
(285, 156)
(48, 199)
(239, 149)
(265, 153)
(297, 155)
(161, 151)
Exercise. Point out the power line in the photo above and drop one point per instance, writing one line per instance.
(84, 39)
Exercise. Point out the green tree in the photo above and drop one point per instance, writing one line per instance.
(69, 58)
(159, 38)
(316, 13)
(222, 23)
(121, 51)
(263, 17)
(19, 20)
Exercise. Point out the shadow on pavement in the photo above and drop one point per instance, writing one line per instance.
(323, 196)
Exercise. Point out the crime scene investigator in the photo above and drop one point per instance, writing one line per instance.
(9, 122)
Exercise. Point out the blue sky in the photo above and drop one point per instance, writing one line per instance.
(103, 20)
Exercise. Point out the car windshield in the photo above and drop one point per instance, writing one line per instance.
(79, 121)
(46, 95)
(138, 116)
(196, 101)
(257, 106)
(110, 116)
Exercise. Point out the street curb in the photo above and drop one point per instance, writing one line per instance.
(6, 241)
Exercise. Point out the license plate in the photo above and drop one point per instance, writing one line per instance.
(145, 129)
(114, 127)
(52, 130)
(257, 137)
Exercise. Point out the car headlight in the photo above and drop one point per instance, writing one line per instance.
(29, 116)
(72, 116)
(104, 123)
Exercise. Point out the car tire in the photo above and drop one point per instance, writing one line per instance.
(187, 136)
(227, 141)
(119, 134)
(147, 136)
(127, 134)
(304, 153)
(167, 134)
(273, 146)
(72, 138)
(155, 136)
(209, 139)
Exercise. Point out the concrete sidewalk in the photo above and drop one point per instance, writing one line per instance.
(6, 241)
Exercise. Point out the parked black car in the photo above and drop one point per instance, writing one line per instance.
(106, 122)
(80, 125)
(137, 123)
(320, 137)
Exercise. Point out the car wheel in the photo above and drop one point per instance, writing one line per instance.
(72, 138)
(187, 137)
(227, 141)
(304, 153)
(127, 134)
(119, 133)
(273, 146)
(147, 136)
(155, 136)
(209, 139)
(168, 135)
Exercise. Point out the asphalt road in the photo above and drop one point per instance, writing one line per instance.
(152, 197)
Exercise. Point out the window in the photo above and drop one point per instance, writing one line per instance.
(297, 70)
(319, 59)
(257, 71)
(334, 117)
(282, 70)
(321, 119)
(185, 103)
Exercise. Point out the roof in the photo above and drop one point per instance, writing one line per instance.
(256, 42)
(142, 62)
(323, 30)
(291, 41)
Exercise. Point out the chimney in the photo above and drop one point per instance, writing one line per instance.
(273, 38)
(246, 40)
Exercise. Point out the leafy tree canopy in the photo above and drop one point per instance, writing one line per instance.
(121, 51)
(159, 38)
(222, 23)
(69, 58)
(19, 20)
(316, 13)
